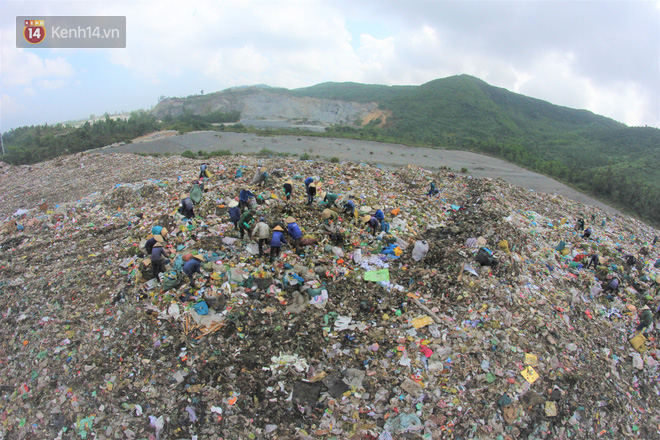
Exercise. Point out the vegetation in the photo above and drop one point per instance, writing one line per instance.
(27, 145)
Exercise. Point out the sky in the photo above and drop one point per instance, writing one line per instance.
(602, 56)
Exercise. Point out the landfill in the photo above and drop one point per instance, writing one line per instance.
(474, 316)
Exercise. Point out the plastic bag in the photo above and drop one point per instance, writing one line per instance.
(420, 250)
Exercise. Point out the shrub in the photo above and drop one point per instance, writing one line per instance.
(305, 156)
(334, 159)
(189, 154)
(464, 170)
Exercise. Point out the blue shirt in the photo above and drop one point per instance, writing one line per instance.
(235, 214)
(192, 266)
(294, 230)
(157, 253)
(149, 246)
(245, 195)
(278, 239)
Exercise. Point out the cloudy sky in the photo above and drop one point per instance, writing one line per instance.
(601, 56)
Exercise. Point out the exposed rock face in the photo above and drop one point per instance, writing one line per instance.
(256, 103)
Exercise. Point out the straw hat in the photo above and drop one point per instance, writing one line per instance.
(326, 213)
(233, 203)
(645, 308)
(159, 238)
(290, 220)
(164, 232)
(278, 228)
(184, 195)
(366, 218)
(312, 185)
(199, 257)
(290, 182)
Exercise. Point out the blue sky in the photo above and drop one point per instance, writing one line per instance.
(596, 55)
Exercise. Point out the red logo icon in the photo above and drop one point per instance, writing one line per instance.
(34, 31)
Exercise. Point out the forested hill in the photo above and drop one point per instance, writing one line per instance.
(601, 156)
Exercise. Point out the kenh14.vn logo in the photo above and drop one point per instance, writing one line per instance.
(34, 31)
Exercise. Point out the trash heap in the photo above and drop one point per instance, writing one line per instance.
(468, 319)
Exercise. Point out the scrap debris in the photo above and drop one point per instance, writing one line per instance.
(474, 316)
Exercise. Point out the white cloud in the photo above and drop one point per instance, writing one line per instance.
(22, 68)
(593, 55)
(9, 105)
(51, 84)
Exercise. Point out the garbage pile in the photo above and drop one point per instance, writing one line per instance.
(469, 314)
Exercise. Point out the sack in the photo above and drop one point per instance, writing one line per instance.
(208, 173)
(172, 283)
(196, 194)
(384, 226)
(639, 343)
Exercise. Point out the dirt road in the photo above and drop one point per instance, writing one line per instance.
(386, 155)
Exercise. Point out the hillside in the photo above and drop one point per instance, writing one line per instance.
(266, 103)
(367, 339)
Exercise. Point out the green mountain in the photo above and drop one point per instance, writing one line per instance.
(603, 157)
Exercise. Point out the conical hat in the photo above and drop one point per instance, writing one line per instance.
(278, 228)
(199, 257)
(290, 220)
(290, 182)
(366, 218)
(159, 238)
(326, 213)
(233, 203)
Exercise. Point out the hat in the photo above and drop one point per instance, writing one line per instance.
(366, 218)
(187, 257)
(326, 213)
(278, 228)
(290, 220)
(312, 185)
(233, 203)
(290, 182)
(164, 232)
(200, 257)
(159, 238)
(645, 308)
(184, 195)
